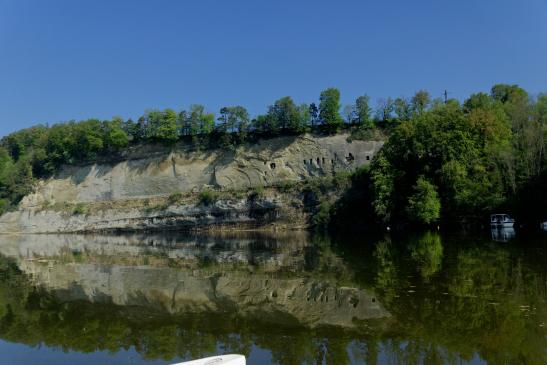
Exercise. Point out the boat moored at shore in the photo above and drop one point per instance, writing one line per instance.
(501, 221)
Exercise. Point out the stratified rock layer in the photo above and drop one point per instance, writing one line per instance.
(146, 172)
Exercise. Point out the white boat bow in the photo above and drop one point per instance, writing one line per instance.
(217, 360)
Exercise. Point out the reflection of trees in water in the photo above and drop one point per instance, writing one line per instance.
(483, 299)
(449, 301)
(427, 252)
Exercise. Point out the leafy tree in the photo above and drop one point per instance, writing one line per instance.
(363, 111)
(134, 130)
(329, 109)
(241, 121)
(87, 139)
(384, 112)
(458, 153)
(115, 136)
(284, 116)
(383, 182)
(508, 93)
(197, 121)
(402, 109)
(424, 205)
(420, 101)
(305, 118)
(233, 119)
(541, 108)
(261, 124)
(349, 114)
(314, 114)
(478, 100)
(162, 125)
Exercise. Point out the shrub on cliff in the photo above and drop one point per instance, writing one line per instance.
(207, 197)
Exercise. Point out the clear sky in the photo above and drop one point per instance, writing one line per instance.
(75, 59)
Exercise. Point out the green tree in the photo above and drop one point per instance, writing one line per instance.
(508, 93)
(260, 124)
(329, 109)
(363, 111)
(285, 117)
(420, 101)
(478, 101)
(385, 109)
(314, 114)
(115, 136)
(196, 123)
(305, 118)
(424, 205)
(87, 139)
(134, 130)
(162, 125)
(402, 109)
(459, 153)
(541, 108)
(234, 125)
(349, 114)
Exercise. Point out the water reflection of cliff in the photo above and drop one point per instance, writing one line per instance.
(279, 279)
(305, 300)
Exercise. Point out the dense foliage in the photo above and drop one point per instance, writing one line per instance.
(451, 161)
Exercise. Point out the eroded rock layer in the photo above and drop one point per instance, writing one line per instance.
(149, 172)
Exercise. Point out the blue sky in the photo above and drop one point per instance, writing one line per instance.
(66, 59)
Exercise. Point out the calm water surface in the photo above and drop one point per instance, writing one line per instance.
(281, 299)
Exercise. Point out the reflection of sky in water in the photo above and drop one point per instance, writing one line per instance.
(15, 354)
(12, 353)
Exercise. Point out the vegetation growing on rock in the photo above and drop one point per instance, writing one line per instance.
(442, 160)
(452, 162)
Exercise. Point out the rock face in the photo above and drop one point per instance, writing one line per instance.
(154, 171)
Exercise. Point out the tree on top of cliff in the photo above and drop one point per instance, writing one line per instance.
(329, 109)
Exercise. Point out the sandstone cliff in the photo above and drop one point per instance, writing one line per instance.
(133, 192)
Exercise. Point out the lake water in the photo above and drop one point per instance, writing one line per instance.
(288, 298)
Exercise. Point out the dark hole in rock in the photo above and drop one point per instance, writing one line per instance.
(323, 160)
(318, 161)
(272, 165)
(305, 162)
(311, 161)
(368, 158)
(350, 158)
